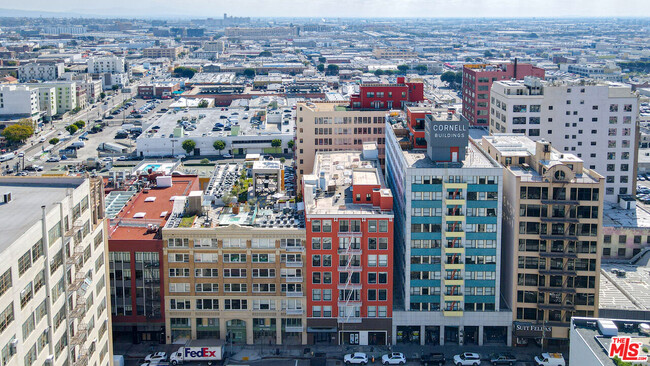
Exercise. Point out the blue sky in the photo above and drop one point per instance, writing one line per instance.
(354, 8)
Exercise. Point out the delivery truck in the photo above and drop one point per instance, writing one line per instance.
(199, 350)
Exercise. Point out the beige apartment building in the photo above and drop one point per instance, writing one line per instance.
(54, 307)
(333, 126)
(552, 236)
(235, 273)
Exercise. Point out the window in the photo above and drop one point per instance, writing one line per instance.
(24, 263)
(235, 304)
(6, 317)
(5, 282)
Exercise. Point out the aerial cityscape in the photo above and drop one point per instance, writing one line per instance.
(414, 183)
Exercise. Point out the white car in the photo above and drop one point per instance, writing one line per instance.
(395, 358)
(467, 359)
(21, 154)
(226, 155)
(122, 158)
(355, 359)
(108, 159)
(53, 159)
(156, 357)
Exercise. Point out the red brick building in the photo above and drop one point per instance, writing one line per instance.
(477, 81)
(388, 96)
(349, 222)
(135, 257)
(157, 90)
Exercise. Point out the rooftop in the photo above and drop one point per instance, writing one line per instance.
(27, 197)
(330, 189)
(474, 158)
(599, 344)
(201, 122)
(625, 286)
(151, 205)
(614, 215)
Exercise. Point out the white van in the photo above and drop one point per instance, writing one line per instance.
(550, 359)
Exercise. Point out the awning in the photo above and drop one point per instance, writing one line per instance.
(321, 330)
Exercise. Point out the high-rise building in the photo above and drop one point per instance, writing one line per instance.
(349, 222)
(324, 126)
(551, 238)
(593, 120)
(54, 302)
(477, 81)
(447, 244)
(388, 96)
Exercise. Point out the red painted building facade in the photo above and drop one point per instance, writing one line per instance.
(135, 260)
(388, 96)
(477, 81)
(350, 260)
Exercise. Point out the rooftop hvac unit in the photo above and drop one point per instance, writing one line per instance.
(6, 197)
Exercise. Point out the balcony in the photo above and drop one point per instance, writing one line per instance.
(294, 311)
(75, 256)
(79, 310)
(558, 236)
(79, 281)
(559, 202)
(80, 335)
(294, 264)
(76, 226)
(349, 286)
(82, 359)
(349, 250)
(350, 268)
(558, 289)
(556, 306)
(293, 279)
(350, 235)
(349, 319)
(350, 303)
(559, 272)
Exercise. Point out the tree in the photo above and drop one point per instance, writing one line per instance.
(333, 69)
(102, 95)
(403, 68)
(54, 141)
(186, 72)
(276, 142)
(219, 145)
(249, 73)
(72, 129)
(448, 77)
(487, 53)
(205, 161)
(80, 124)
(291, 144)
(320, 67)
(282, 160)
(322, 60)
(18, 132)
(115, 87)
(422, 69)
(188, 146)
(265, 54)
(203, 104)
(379, 72)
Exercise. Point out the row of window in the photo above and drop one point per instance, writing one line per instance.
(213, 243)
(236, 272)
(453, 275)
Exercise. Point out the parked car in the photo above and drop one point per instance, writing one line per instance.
(502, 359)
(355, 359)
(53, 159)
(432, 359)
(467, 359)
(226, 155)
(121, 158)
(395, 358)
(156, 357)
(550, 359)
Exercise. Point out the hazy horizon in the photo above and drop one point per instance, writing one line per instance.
(357, 9)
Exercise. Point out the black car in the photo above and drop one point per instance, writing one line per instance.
(432, 359)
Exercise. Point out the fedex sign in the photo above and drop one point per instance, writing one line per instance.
(626, 350)
(200, 353)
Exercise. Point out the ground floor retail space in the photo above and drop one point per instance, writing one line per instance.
(259, 330)
(433, 328)
(544, 335)
(139, 333)
(368, 332)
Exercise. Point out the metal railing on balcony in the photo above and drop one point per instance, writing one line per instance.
(80, 336)
(79, 310)
(82, 357)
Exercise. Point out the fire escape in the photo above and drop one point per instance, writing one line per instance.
(349, 288)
